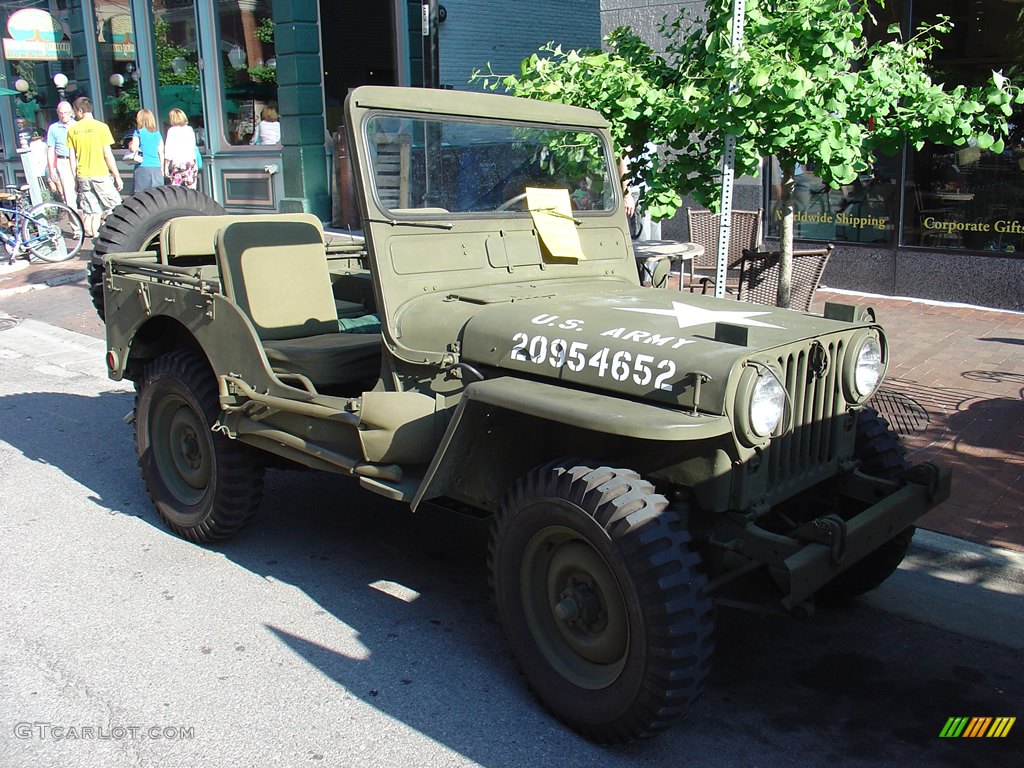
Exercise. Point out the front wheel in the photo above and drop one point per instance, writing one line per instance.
(601, 597)
(204, 485)
(52, 232)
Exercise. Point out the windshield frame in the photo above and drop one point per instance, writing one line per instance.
(613, 194)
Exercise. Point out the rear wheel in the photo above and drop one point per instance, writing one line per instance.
(135, 226)
(52, 232)
(600, 595)
(204, 485)
(881, 454)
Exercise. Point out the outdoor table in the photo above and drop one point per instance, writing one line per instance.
(649, 252)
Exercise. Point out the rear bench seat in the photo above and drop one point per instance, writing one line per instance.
(276, 272)
(189, 241)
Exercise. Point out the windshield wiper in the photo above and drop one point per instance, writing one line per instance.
(559, 214)
(404, 223)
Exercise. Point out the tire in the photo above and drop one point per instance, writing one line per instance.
(881, 454)
(60, 228)
(204, 485)
(601, 597)
(135, 226)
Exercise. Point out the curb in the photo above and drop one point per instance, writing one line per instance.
(957, 585)
(968, 563)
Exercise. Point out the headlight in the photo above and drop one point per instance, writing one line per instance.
(869, 367)
(865, 368)
(760, 405)
(767, 405)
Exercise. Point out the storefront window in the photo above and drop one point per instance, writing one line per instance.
(175, 42)
(864, 211)
(39, 49)
(966, 198)
(971, 197)
(250, 71)
(116, 88)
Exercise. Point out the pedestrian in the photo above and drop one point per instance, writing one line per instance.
(58, 160)
(268, 129)
(180, 152)
(92, 162)
(148, 142)
(24, 132)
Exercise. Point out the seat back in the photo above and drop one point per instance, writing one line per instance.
(276, 271)
(759, 276)
(189, 240)
(744, 234)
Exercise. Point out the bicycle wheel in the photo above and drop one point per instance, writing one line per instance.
(52, 231)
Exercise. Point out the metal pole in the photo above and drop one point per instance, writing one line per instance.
(728, 165)
(431, 57)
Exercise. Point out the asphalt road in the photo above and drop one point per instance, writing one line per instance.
(341, 630)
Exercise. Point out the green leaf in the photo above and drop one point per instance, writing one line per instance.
(985, 140)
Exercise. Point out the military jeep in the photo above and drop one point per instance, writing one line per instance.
(487, 347)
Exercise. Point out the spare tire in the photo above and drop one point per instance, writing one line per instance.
(135, 226)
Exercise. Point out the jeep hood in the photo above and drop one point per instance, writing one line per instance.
(638, 342)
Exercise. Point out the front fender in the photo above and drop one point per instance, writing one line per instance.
(588, 411)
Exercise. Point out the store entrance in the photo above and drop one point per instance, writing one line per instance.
(358, 46)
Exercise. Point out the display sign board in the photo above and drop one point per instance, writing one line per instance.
(34, 35)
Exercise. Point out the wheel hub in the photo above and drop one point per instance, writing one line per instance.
(190, 448)
(182, 452)
(575, 607)
(580, 606)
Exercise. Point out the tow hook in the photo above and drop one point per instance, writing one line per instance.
(830, 530)
(926, 474)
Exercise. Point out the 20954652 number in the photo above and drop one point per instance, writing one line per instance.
(619, 365)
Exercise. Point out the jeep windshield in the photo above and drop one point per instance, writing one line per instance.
(444, 165)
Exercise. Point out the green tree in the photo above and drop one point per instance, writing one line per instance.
(806, 87)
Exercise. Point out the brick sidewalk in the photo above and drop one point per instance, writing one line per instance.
(955, 390)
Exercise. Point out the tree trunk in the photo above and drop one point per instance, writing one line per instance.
(786, 212)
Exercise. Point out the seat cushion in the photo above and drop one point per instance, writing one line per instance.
(328, 359)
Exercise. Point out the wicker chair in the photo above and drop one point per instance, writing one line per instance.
(759, 276)
(745, 235)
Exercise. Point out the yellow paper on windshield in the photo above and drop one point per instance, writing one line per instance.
(552, 215)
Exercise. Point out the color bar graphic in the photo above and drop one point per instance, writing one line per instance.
(977, 727)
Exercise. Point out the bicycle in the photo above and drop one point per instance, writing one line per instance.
(49, 231)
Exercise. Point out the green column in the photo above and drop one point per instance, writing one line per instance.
(415, 38)
(301, 105)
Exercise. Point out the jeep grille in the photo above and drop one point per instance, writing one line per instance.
(817, 403)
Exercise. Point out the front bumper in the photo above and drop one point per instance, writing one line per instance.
(804, 562)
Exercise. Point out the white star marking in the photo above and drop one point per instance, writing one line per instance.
(688, 316)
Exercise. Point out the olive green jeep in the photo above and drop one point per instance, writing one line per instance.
(488, 348)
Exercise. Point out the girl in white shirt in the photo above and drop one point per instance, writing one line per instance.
(180, 152)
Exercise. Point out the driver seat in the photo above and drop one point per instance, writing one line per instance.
(277, 274)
